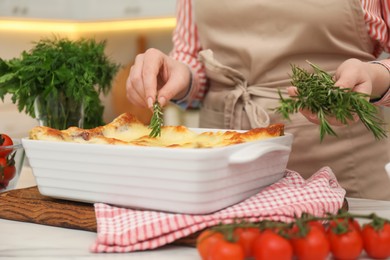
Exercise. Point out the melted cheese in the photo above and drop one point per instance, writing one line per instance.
(128, 130)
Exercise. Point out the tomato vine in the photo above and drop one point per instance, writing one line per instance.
(307, 237)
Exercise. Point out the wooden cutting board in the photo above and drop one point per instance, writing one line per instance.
(28, 205)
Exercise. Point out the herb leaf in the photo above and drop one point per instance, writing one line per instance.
(317, 93)
(157, 120)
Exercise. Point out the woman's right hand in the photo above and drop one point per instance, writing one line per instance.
(155, 73)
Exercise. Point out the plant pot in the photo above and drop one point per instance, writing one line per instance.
(56, 110)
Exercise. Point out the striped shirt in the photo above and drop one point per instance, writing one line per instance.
(186, 44)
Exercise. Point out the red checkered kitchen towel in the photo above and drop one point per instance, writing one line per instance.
(126, 230)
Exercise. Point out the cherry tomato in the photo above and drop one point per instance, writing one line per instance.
(345, 245)
(5, 140)
(314, 223)
(206, 241)
(376, 242)
(270, 245)
(317, 224)
(246, 238)
(225, 250)
(314, 245)
(7, 171)
(347, 223)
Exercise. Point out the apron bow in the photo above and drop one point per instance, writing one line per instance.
(257, 115)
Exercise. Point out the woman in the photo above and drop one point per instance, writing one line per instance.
(233, 56)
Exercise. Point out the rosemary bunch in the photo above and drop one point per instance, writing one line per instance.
(156, 121)
(317, 93)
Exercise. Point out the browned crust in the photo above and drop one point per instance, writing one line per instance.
(126, 129)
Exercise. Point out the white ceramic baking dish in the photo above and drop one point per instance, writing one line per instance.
(193, 181)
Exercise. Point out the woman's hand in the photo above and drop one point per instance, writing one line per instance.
(154, 72)
(358, 76)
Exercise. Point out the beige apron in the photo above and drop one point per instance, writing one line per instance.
(249, 46)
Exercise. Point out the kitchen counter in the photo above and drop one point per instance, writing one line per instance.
(33, 241)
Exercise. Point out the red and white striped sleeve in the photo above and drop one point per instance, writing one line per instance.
(377, 19)
(186, 46)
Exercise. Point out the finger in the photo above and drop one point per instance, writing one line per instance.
(310, 116)
(351, 77)
(135, 98)
(331, 120)
(355, 81)
(178, 81)
(362, 86)
(292, 91)
(345, 82)
(134, 85)
(153, 63)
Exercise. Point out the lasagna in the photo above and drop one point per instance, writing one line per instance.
(126, 129)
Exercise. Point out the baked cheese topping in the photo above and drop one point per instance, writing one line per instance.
(126, 129)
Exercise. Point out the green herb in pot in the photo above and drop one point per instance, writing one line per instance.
(317, 93)
(77, 69)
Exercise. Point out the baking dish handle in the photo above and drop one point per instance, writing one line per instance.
(253, 152)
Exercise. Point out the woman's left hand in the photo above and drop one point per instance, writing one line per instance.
(353, 74)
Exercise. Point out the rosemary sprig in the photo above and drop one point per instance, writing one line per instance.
(156, 121)
(317, 93)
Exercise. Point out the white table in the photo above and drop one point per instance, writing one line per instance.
(33, 241)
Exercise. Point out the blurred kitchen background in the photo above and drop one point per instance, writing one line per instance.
(128, 26)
